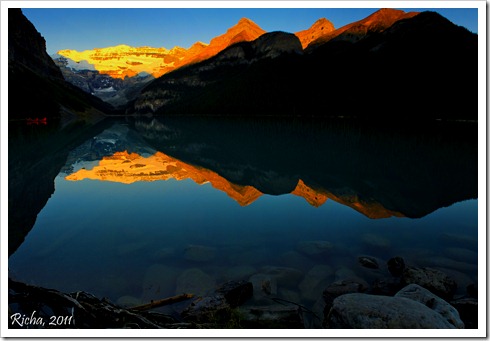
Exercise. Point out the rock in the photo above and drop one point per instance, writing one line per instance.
(285, 277)
(216, 309)
(342, 287)
(462, 280)
(199, 253)
(386, 286)
(344, 273)
(271, 317)
(194, 281)
(396, 266)
(314, 247)
(289, 295)
(375, 242)
(158, 282)
(363, 311)
(239, 272)
(209, 309)
(433, 280)
(417, 293)
(468, 311)
(236, 292)
(313, 283)
(296, 260)
(368, 262)
(263, 286)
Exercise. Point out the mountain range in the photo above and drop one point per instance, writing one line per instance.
(126, 61)
(391, 64)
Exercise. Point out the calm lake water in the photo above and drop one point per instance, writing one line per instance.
(146, 209)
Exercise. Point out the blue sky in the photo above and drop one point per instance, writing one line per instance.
(87, 28)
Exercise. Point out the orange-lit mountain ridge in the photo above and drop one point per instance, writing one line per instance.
(125, 61)
(127, 168)
(376, 22)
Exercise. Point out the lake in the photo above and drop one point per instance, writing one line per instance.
(136, 210)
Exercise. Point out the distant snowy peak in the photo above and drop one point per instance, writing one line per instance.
(70, 63)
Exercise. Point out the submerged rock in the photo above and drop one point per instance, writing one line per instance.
(368, 262)
(312, 285)
(239, 272)
(217, 308)
(194, 281)
(433, 280)
(314, 247)
(396, 266)
(158, 282)
(375, 242)
(285, 276)
(199, 253)
(263, 286)
(236, 292)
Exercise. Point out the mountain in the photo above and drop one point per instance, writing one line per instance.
(244, 30)
(125, 61)
(37, 88)
(216, 80)
(115, 91)
(117, 74)
(390, 65)
(319, 29)
(375, 23)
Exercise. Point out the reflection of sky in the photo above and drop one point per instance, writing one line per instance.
(83, 29)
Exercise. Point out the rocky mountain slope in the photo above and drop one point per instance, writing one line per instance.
(389, 65)
(36, 85)
(375, 23)
(115, 91)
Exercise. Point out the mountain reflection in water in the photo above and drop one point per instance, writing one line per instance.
(135, 235)
(128, 168)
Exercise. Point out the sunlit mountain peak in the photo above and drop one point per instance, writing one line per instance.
(125, 61)
(320, 28)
